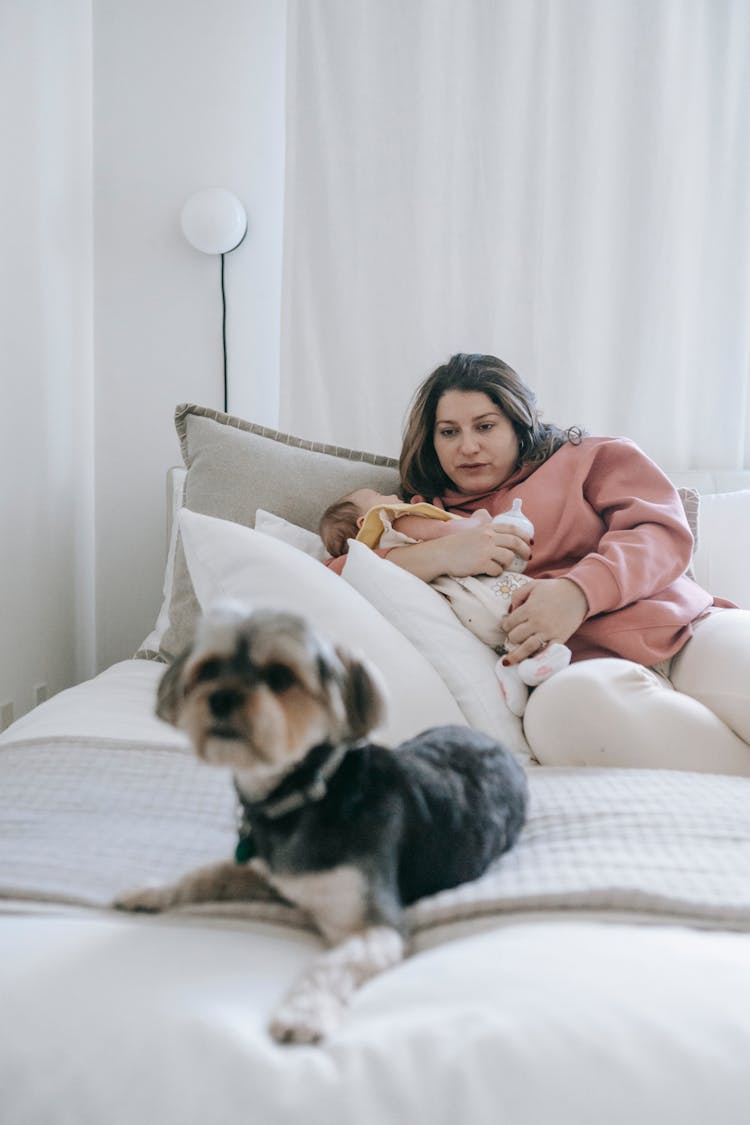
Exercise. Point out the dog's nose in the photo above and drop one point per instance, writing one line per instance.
(223, 702)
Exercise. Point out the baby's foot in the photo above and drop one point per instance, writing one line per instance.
(515, 692)
(538, 668)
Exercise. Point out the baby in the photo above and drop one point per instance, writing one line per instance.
(480, 602)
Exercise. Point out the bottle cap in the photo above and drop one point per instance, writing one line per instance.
(515, 517)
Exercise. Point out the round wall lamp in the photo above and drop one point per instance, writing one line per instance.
(214, 221)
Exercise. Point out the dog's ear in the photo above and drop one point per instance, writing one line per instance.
(364, 694)
(169, 691)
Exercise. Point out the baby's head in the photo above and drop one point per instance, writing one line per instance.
(342, 520)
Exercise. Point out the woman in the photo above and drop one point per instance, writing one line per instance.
(661, 669)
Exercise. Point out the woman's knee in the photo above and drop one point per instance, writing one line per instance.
(614, 713)
(589, 714)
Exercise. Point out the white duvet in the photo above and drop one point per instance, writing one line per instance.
(600, 974)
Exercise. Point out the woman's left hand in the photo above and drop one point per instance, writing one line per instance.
(543, 610)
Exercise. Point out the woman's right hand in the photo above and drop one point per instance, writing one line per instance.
(488, 549)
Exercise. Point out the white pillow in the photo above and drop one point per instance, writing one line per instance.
(421, 614)
(227, 560)
(290, 533)
(721, 559)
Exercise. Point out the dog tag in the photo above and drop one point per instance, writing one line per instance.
(245, 849)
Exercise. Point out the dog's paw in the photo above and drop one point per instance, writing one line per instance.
(306, 1018)
(151, 900)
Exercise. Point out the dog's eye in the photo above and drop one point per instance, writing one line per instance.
(278, 677)
(209, 670)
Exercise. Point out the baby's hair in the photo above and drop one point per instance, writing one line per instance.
(338, 524)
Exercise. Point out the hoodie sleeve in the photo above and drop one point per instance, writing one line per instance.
(337, 564)
(647, 543)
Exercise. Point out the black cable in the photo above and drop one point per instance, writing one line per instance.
(224, 336)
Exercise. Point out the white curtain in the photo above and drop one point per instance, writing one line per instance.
(562, 183)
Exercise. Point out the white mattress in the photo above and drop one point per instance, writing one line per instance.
(601, 973)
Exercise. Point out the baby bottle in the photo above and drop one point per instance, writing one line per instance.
(518, 520)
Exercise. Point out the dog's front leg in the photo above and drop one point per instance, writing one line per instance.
(315, 1004)
(219, 882)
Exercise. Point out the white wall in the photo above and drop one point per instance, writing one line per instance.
(111, 115)
(46, 340)
(187, 94)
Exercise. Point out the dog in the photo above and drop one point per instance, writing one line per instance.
(346, 829)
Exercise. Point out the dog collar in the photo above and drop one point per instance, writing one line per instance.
(297, 798)
(315, 791)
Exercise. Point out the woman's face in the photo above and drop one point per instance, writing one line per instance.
(475, 443)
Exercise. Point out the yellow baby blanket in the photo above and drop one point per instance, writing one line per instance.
(373, 527)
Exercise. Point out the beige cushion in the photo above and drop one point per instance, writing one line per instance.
(691, 502)
(235, 467)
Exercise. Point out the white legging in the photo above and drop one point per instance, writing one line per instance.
(692, 713)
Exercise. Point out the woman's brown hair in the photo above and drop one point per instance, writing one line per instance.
(421, 471)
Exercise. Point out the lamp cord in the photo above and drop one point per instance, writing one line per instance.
(224, 336)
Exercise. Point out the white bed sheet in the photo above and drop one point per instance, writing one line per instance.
(110, 1021)
(575, 1012)
(114, 707)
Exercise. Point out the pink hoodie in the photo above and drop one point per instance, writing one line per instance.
(606, 517)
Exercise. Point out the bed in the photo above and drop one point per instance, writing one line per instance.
(599, 972)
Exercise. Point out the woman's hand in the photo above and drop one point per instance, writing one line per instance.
(543, 610)
(487, 549)
(476, 519)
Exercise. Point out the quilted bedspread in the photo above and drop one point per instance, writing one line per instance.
(81, 820)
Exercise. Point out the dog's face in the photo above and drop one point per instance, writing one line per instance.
(255, 691)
